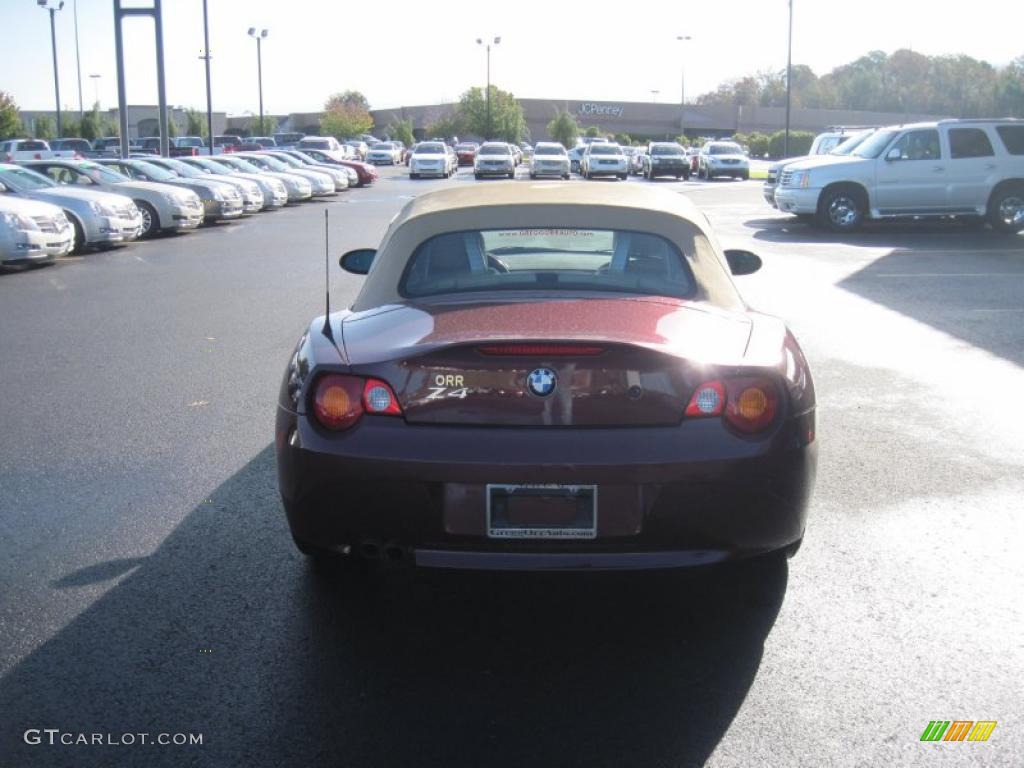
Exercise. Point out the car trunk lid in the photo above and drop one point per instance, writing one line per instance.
(623, 362)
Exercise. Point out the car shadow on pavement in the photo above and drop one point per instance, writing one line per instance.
(976, 296)
(884, 234)
(225, 631)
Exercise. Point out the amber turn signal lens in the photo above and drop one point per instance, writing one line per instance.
(752, 403)
(338, 401)
(335, 402)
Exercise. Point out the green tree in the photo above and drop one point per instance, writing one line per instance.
(195, 123)
(447, 126)
(799, 143)
(593, 132)
(345, 122)
(10, 117)
(623, 139)
(347, 99)
(345, 115)
(266, 127)
(70, 128)
(43, 128)
(564, 129)
(507, 121)
(92, 125)
(401, 130)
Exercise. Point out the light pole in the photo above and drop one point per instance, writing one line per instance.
(53, 40)
(209, 97)
(682, 86)
(259, 67)
(479, 41)
(78, 65)
(96, 88)
(654, 95)
(789, 79)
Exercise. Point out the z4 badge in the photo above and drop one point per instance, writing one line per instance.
(447, 385)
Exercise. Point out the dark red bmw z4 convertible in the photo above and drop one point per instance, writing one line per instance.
(545, 377)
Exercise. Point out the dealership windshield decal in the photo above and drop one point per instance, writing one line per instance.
(609, 110)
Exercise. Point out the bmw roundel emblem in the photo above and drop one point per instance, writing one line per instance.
(541, 382)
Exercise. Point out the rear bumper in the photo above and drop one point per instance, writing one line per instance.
(663, 501)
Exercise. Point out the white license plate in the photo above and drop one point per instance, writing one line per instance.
(542, 511)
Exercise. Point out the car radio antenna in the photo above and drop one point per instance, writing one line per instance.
(327, 280)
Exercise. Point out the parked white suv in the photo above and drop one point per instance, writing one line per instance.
(834, 141)
(962, 168)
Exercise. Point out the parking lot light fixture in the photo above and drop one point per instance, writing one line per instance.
(789, 79)
(682, 86)
(48, 6)
(479, 41)
(96, 87)
(259, 64)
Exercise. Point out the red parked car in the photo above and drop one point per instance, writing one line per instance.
(367, 173)
(466, 152)
(546, 378)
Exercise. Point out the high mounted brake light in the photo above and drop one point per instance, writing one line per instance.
(541, 350)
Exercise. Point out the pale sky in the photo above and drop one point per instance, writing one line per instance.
(415, 53)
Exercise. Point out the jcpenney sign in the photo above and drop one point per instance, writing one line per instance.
(600, 109)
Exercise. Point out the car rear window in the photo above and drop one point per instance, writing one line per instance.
(547, 259)
(605, 149)
(666, 150)
(31, 145)
(1013, 138)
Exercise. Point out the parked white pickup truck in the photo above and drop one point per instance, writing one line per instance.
(17, 150)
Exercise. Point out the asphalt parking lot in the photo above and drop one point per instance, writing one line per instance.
(148, 583)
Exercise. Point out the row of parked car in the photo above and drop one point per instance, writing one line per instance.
(591, 160)
(58, 205)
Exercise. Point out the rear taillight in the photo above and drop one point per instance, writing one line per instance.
(378, 398)
(39, 155)
(339, 401)
(752, 404)
(749, 404)
(708, 400)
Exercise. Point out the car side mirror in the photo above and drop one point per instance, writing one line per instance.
(358, 261)
(3, 187)
(742, 262)
(894, 154)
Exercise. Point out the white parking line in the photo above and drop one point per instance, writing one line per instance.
(948, 274)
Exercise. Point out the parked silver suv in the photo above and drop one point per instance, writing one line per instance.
(959, 168)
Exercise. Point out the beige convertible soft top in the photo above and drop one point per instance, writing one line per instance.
(536, 205)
